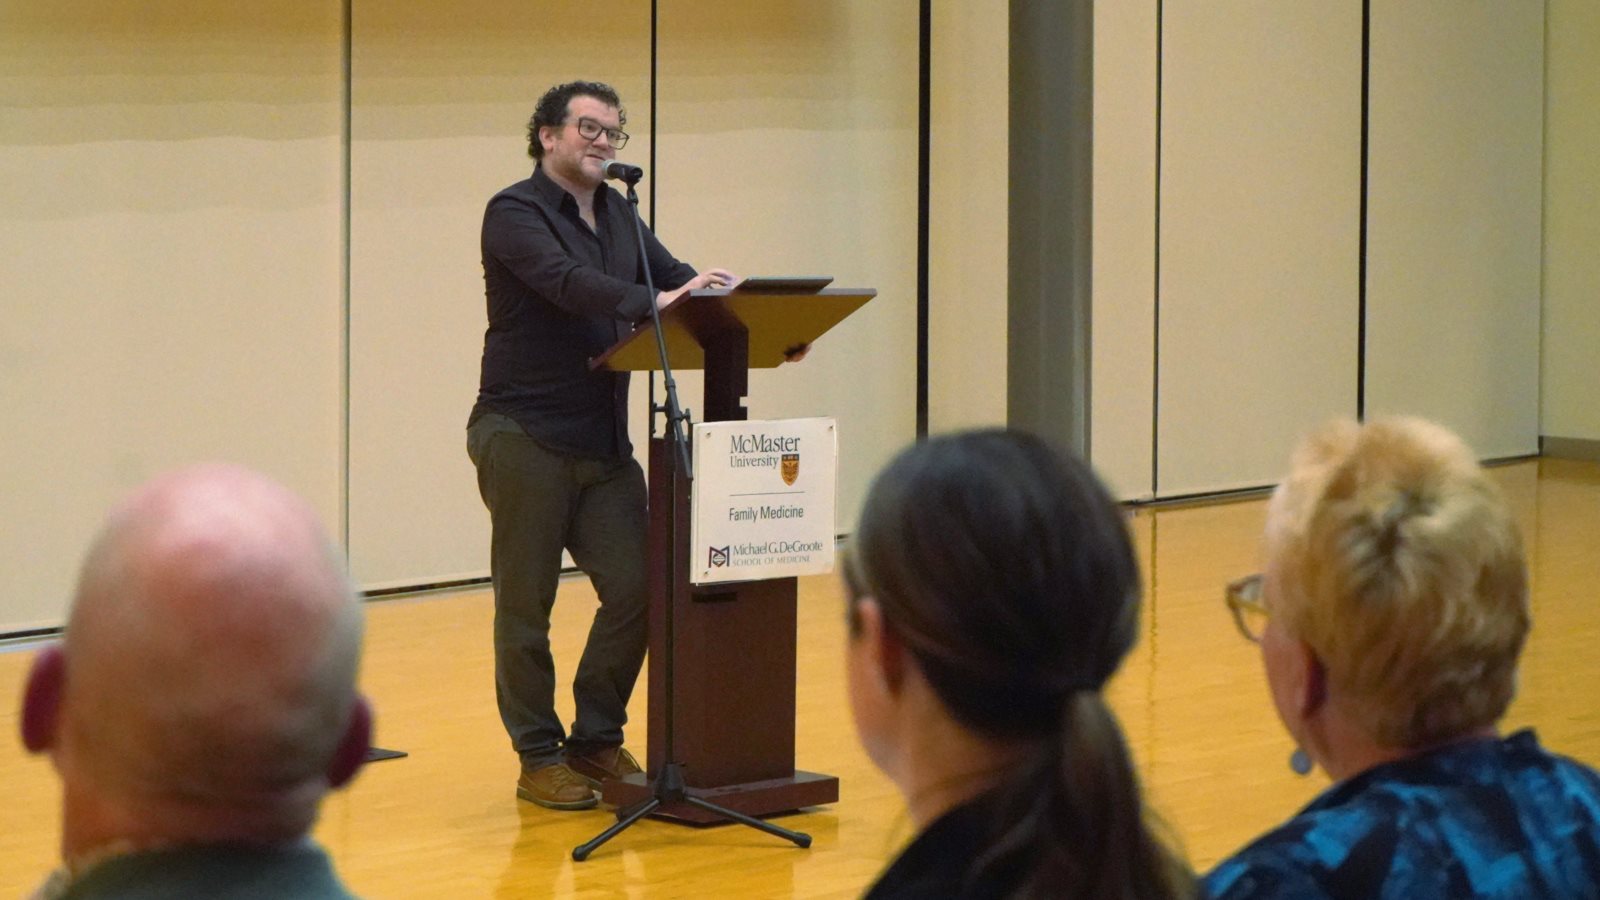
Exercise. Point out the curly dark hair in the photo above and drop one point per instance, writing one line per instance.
(552, 108)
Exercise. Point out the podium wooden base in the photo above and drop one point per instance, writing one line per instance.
(753, 798)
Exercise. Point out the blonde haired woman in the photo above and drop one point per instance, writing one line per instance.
(1391, 612)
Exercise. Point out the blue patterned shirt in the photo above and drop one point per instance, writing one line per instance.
(1483, 818)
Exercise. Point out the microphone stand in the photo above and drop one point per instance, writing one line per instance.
(669, 784)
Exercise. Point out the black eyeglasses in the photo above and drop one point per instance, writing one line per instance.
(1244, 601)
(591, 130)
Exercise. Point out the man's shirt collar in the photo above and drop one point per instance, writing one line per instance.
(557, 196)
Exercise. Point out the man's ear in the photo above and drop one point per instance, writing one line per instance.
(353, 746)
(41, 699)
(887, 654)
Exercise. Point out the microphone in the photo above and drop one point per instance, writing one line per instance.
(621, 171)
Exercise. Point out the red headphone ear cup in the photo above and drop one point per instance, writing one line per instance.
(41, 699)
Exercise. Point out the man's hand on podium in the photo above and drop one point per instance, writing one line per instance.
(796, 353)
(718, 278)
(710, 278)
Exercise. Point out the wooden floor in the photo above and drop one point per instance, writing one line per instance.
(444, 823)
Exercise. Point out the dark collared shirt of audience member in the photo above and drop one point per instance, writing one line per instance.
(938, 864)
(215, 871)
(559, 294)
(1489, 817)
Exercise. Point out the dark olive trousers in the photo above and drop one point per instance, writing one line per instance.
(541, 502)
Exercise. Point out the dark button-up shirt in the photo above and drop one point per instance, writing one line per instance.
(1483, 818)
(559, 293)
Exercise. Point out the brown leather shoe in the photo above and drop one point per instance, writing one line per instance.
(556, 786)
(599, 766)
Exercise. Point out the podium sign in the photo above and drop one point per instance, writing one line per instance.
(763, 499)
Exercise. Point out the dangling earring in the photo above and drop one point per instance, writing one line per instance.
(1300, 762)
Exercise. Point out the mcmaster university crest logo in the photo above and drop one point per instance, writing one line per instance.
(790, 468)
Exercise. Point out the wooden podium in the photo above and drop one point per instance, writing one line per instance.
(734, 666)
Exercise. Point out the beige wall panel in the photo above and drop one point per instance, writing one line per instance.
(1453, 232)
(968, 227)
(788, 145)
(1123, 315)
(1571, 320)
(442, 95)
(1260, 176)
(169, 205)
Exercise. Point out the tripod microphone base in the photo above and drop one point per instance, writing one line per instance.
(669, 791)
(751, 798)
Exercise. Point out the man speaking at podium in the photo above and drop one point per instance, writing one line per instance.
(549, 437)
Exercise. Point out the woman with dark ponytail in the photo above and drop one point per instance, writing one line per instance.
(993, 591)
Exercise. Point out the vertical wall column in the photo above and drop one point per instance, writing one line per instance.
(1052, 110)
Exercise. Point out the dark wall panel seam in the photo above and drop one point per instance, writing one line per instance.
(1155, 356)
(924, 129)
(345, 140)
(1361, 264)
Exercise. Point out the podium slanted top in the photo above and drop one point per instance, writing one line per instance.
(778, 314)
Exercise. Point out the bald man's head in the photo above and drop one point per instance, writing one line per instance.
(210, 656)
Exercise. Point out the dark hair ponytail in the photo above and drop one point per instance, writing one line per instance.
(1073, 818)
(1008, 572)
